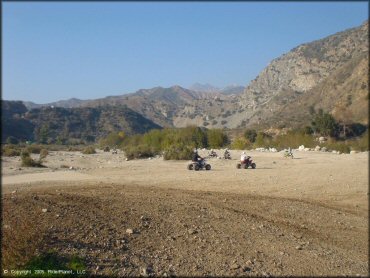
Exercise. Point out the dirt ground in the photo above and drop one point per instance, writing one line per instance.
(303, 216)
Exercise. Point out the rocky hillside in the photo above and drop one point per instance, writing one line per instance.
(330, 73)
(326, 74)
(70, 124)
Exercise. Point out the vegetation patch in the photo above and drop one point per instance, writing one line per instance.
(28, 161)
(89, 150)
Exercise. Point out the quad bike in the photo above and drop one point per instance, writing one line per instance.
(227, 155)
(212, 154)
(200, 165)
(248, 162)
(288, 154)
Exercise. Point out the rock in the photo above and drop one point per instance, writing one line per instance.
(246, 268)
(192, 231)
(353, 152)
(57, 215)
(301, 148)
(234, 266)
(324, 149)
(249, 263)
(129, 231)
(299, 247)
(317, 148)
(15, 191)
(44, 210)
(307, 149)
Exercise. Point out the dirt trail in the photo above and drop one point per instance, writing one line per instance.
(306, 216)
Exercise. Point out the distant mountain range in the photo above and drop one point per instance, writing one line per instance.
(228, 90)
(329, 74)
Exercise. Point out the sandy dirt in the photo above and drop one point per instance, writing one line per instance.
(302, 216)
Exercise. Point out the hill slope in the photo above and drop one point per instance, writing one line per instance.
(70, 124)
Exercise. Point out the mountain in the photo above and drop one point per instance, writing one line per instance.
(207, 88)
(69, 103)
(70, 124)
(198, 87)
(328, 73)
(233, 90)
(158, 104)
(13, 123)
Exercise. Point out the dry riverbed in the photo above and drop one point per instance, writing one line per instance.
(302, 216)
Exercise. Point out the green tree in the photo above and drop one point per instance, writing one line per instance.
(251, 135)
(324, 124)
(44, 134)
(241, 143)
(260, 140)
(216, 138)
(12, 140)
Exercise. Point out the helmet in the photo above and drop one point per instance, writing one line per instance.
(195, 151)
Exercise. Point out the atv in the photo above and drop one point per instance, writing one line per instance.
(227, 155)
(212, 154)
(288, 154)
(248, 162)
(200, 165)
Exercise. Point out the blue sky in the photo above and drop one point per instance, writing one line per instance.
(59, 50)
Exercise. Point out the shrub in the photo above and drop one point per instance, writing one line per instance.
(178, 153)
(216, 138)
(341, 146)
(324, 124)
(360, 144)
(113, 139)
(139, 151)
(34, 149)
(27, 161)
(241, 143)
(10, 151)
(251, 135)
(292, 139)
(89, 150)
(43, 154)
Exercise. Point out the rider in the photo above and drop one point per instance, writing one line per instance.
(226, 153)
(243, 157)
(196, 157)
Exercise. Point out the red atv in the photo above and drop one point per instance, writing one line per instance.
(248, 162)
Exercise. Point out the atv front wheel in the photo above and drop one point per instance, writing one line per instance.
(190, 166)
(253, 165)
(208, 167)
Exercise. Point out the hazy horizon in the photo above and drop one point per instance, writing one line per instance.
(57, 51)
